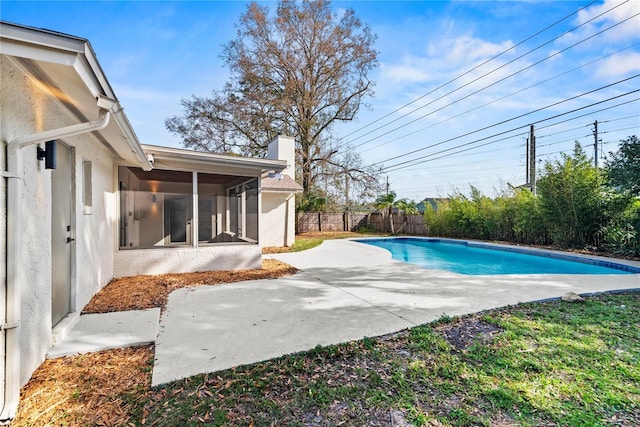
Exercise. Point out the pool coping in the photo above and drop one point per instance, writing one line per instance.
(629, 266)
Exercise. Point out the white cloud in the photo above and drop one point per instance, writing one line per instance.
(444, 58)
(619, 65)
(411, 70)
(612, 12)
(466, 49)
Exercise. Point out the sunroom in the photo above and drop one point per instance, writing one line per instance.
(192, 212)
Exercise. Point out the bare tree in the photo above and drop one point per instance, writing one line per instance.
(296, 72)
(348, 182)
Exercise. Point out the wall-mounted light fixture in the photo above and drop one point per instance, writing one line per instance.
(153, 198)
(48, 154)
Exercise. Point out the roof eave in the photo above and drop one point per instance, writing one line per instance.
(201, 159)
(281, 190)
(38, 44)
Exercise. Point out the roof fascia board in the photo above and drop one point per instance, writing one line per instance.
(40, 37)
(281, 190)
(37, 53)
(195, 158)
(90, 79)
(208, 166)
(130, 136)
(91, 61)
(48, 46)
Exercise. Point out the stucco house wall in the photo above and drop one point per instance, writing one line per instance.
(177, 260)
(277, 226)
(26, 109)
(274, 230)
(94, 229)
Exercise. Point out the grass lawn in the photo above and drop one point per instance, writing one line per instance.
(549, 363)
(312, 239)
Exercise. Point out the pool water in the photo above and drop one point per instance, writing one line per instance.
(477, 259)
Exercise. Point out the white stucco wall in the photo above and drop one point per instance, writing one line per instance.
(283, 148)
(94, 232)
(132, 262)
(26, 109)
(277, 224)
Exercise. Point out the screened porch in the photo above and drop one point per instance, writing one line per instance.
(165, 208)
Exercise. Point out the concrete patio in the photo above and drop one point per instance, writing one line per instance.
(345, 291)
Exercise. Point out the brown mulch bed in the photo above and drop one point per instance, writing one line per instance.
(276, 250)
(141, 292)
(88, 389)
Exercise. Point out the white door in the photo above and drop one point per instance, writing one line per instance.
(61, 226)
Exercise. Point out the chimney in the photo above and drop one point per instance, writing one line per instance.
(283, 148)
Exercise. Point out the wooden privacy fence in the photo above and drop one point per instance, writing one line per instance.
(320, 221)
(402, 223)
(353, 221)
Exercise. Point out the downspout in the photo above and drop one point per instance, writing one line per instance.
(14, 282)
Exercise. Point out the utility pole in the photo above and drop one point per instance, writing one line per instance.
(387, 185)
(346, 188)
(531, 151)
(595, 143)
(527, 175)
(347, 226)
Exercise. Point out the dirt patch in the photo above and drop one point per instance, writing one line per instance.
(467, 331)
(90, 389)
(276, 250)
(141, 292)
(327, 235)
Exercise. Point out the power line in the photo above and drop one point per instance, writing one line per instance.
(467, 154)
(468, 166)
(621, 118)
(456, 183)
(591, 113)
(467, 72)
(491, 72)
(518, 117)
(422, 160)
(450, 155)
(491, 102)
(518, 156)
(485, 87)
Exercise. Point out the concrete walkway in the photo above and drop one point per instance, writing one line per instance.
(97, 332)
(345, 291)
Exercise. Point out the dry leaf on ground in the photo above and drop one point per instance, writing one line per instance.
(85, 389)
(141, 292)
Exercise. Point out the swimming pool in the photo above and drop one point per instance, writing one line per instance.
(474, 258)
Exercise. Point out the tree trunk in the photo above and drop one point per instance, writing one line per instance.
(306, 171)
(391, 220)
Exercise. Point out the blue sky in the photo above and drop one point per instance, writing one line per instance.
(156, 53)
